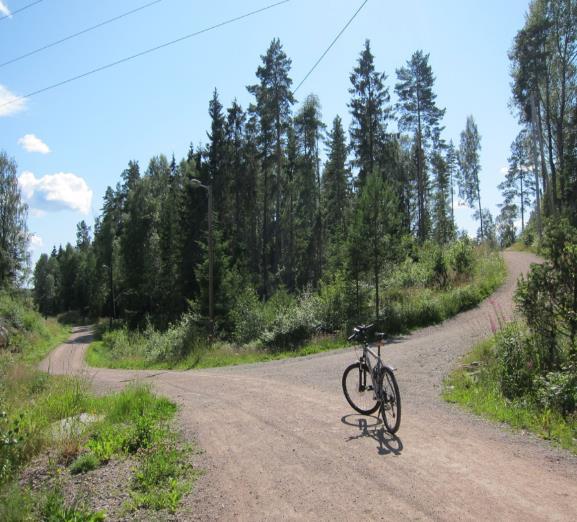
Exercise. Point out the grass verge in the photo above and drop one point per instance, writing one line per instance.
(474, 386)
(220, 354)
(56, 429)
(83, 433)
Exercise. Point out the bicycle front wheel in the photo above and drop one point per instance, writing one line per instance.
(358, 389)
(390, 400)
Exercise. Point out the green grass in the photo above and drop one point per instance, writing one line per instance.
(31, 336)
(132, 423)
(476, 388)
(221, 354)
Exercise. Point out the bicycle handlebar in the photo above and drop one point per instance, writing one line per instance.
(360, 330)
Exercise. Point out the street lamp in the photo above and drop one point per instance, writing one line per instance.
(195, 183)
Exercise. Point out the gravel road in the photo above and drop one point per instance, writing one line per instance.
(281, 442)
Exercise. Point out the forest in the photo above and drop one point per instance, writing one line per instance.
(287, 223)
(307, 242)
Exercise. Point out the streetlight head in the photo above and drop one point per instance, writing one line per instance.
(195, 183)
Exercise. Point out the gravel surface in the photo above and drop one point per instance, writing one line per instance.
(281, 442)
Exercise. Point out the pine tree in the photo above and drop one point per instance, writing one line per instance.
(420, 115)
(452, 161)
(469, 169)
(519, 181)
(273, 106)
(369, 107)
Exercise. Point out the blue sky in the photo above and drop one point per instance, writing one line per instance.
(158, 103)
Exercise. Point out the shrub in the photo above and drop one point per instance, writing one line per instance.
(558, 391)
(336, 304)
(294, 322)
(105, 442)
(246, 316)
(462, 257)
(440, 268)
(143, 434)
(548, 296)
(10, 445)
(518, 362)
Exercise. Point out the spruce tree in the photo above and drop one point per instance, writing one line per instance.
(369, 107)
(336, 183)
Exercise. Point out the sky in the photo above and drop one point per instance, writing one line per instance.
(71, 142)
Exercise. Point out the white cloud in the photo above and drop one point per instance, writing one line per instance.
(36, 212)
(10, 103)
(33, 143)
(4, 9)
(60, 191)
(504, 170)
(36, 242)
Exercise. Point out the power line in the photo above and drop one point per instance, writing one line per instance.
(330, 46)
(142, 53)
(66, 38)
(19, 10)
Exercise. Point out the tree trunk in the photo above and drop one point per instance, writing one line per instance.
(535, 167)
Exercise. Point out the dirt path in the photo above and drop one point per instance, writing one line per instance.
(282, 443)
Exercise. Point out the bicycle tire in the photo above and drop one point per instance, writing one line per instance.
(361, 400)
(391, 406)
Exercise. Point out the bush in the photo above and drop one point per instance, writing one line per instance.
(558, 391)
(293, 322)
(518, 362)
(246, 316)
(178, 341)
(440, 268)
(10, 445)
(336, 304)
(462, 257)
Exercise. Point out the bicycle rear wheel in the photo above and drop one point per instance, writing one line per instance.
(358, 389)
(390, 400)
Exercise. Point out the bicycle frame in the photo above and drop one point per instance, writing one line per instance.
(366, 359)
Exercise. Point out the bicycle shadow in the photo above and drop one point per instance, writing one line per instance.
(387, 442)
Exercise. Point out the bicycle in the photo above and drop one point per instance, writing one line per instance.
(382, 393)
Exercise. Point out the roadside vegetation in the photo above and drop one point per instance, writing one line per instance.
(421, 291)
(53, 429)
(526, 375)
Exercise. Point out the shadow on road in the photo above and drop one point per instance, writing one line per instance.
(372, 427)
